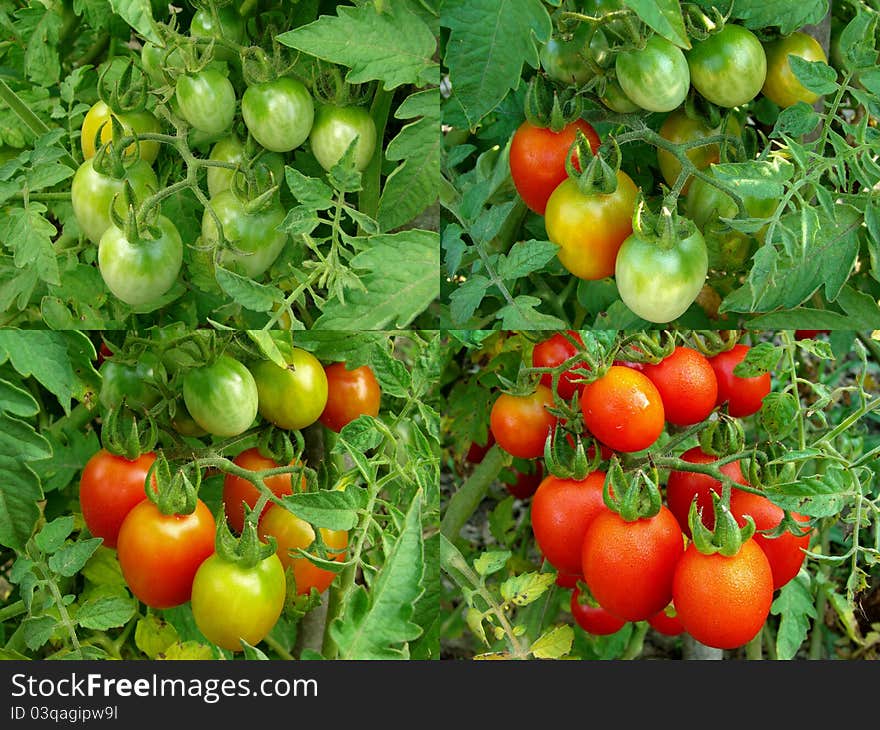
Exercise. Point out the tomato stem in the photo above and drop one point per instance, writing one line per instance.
(369, 195)
(468, 497)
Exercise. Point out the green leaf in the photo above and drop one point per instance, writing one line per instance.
(465, 299)
(794, 606)
(378, 624)
(153, 636)
(427, 609)
(816, 76)
(37, 630)
(400, 272)
(795, 121)
(491, 562)
(523, 589)
(248, 293)
(525, 257)
(16, 401)
(489, 42)
(42, 28)
(19, 485)
(106, 613)
(395, 46)
(103, 569)
(299, 221)
(779, 413)
(26, 233)
(789, 15)
(521, 314)
(139, 15)
(54, 533)
(334, 510)
(314, 194)
(842, 607)
(555, 643)
(44, 356)
(70, 560)
(665, 17)
(188, 650)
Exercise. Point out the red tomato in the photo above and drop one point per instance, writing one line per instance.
(238, 491)
(628, 566)
(350, 393)
(476, 453)
(567, 580)
(527, 482)
(109, 489)
(160, 554)
(809, 334)
(537, 159)
(786, 552)
(683, 486)
(666, 624)
(723, 601)
(744, 396)
(687, 386)
(623, 409)
(555, 351)
(562, 509)
(520, 424)
(594, 619)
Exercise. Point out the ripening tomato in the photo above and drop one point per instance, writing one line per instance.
(562, 509)
(589, 229)
(656, 77)
(293, 397)
(231, 602)
(109, 489)
(594, 619)
(683, 486)
(782, 87)
(628, 566)
(238, 491)
(729, 67)
(723, 601)
(520, 424)
(786, 552)
(537, 159)
(679, 128)
(744, 396)
(350, 394)
(526, 482)
(687, 386)
(98, 121)
(554, 351)
(616, 100)
(477, 452)
(159, 554)
(335, 128)
(623, 409)
(568, 580)
(669, 625)
(292, 533)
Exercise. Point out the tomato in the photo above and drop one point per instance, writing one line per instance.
(350, 394)
(616, 100)
(335, 128)
(687, 386)
(565, 59)
(782, 87)
(729, 67)
(628, 566)
(589, 229)
(142, 122)
(669, 625)
(279, 114)
(594, 619)
(254, 239)
(658, 280)
(568, 580)
(92, 194)
(142, 271)
(159, 554)
(229, 25)
(656, 77)
(477, 452)
(623, 409)
(232, 149)
(679, 128)
(683, 486)
(809, 334)
(537, 159)
(293, 397)
(155, 59)
(723, 601)
(231, 602)
(526, 482)
(133, 382)
(292, 533)
(744, 396)
(784, 553)
(207, 100)
(109, 488)
(520, 424)
(238, 491)
(554, 351)
(221, 396)
(562, 509)
(184, 423)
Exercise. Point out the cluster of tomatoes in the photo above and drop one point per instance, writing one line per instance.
(169, 559)
(140, 266)
(658, 278)
(643, 568)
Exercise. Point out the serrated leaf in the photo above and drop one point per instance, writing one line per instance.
(16, 401)
(26, 233)
(795, 606)
(139, 15)
(491, 562)
(153, 636)
(68, 561)
(38, 630)
(334, 510)
(779, 413)
(20, 488)
(248, 293)
(523, 589)
(521, 314)
(300, 220)
(665, 17)
(525, 257)
(795, 121)
(44, 356)
(188, 650)
(312, 193)
(464, 300)
(816, 76)
(103, 568)
(789, 15)
(553, 644)
(106, 613)
(54, 533)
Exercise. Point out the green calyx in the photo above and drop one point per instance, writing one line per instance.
(545, 106)
(246, 551)
(177, 491)
(633, 497)
(727, 537)
(598, 175)
(570, 462)
(650, 346)
(724, 436)
(274, 443)
(123, 433)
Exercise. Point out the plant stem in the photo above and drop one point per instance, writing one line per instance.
(817, 648)
(636, 641)
(31, 120)
(12, 610)
(754, 649)
(465, 501)
(368, 198)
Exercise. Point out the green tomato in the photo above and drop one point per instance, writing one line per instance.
(231, 28)
(616, 100)
(678, 127)
(132, 382)
(293, 397)
(140, 272)
(567, 59)
(184, 423)
(207, 100)
(231, 602)
(92, 195)
(599, 8)
(335, 128)
(221, 397)
(657, 77)
(255, 237)
(279, 114)
(781, 86)
(231, 149)
(729, 67)
(658, 280)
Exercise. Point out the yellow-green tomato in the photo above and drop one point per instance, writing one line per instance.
(335, 128)
(729, 67)
(291, 397)
(782, 87)
(657, 77)
(679, 128)
(98, 122)
(231, 602)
